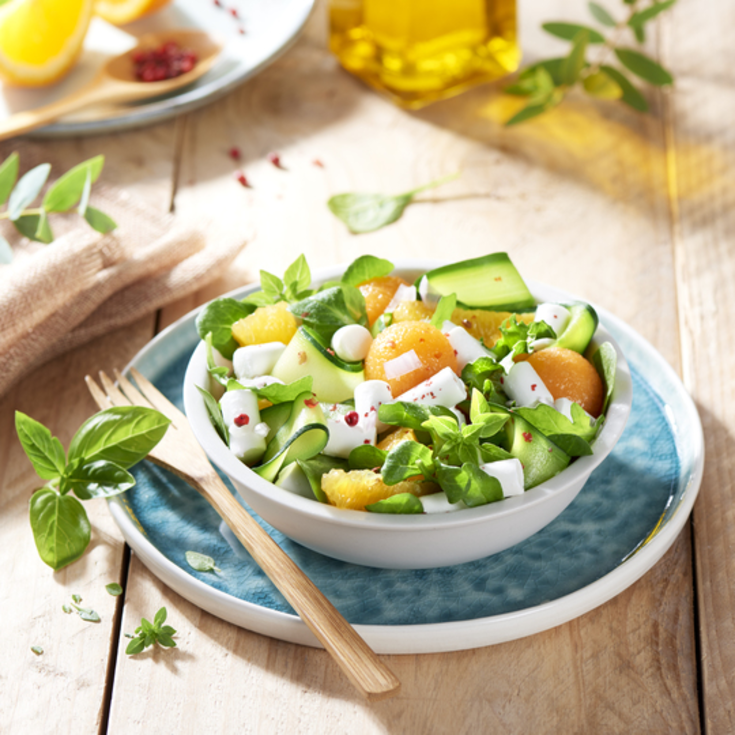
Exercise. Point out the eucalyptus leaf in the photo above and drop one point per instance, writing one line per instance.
(8, 176)
(600, 14)
(68, 189)
(201, 562)
(44, 450)
(630, 94)
(6, 252)
(365, 268)
(568, 31)
(27, 189)
(60, 527)
(99, 221)
(643, 67)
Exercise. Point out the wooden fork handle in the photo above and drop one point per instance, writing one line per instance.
(356, 659)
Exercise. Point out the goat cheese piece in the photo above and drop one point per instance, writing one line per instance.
(555, 315)
(403, 293)
(253, 361)
(443, 389)
(245, 443)
(466, 348)
(369, 397)
(347, 431)
(509, 472)
(428, 294)
(438, 503)
(352, 342)
(236, 404)
(523, 385)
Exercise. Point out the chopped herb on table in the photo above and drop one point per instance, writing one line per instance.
(146, 634)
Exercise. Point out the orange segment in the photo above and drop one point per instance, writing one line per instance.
(378, 293)
(266, 324)
(357, 488)
(40, 40)
(124, 11)
(431, 347)
(568, 375)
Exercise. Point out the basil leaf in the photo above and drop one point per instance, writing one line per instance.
(444, 310)
(215, 414)
(99, 221)
(403, 503)
(68, 189)
(605, 361)
(406, 460)
(60, 527)
(99, 479)
(630, 95)
(201, 562)
(44, 450)
(568, 31)
(160, 618)
(326, 311)
(602, 15)
(643, 67)
(297, 277)
(8, 176)
(114, 589)
(217, 317)
(411, 415)
(137, 645)
(366, 457)
(166, 641)
(6, 252)
(365, 268)
(27, 189)
(121, 434)
(317, 466)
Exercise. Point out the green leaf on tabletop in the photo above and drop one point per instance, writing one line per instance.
(411, 415)
(43, 230)
(602, 86)
(401, 504)
(641, 17)
(8, 176)
(121, 434)
(86, 191)
(630, 94)
(571, 436)
(76, 599)
(575, 61)
(643, 67)
(99, 221)
(37, 650)
(99, 479)
(68, 189)
(369, 212)
(366, 267)
(317, 466)
(217, 317)
(28, 226)
(568, 31)
(444, 310)
(87, 614)
(215, 414)
(297, 278)
(605, 361)
(201, 562)
(27, 189)
(44, 450)
(407, 460)
(60, 527)
(6, 252)
(367, 457)
(326, 311)
(601, 15)
(160, 618)
(149, 633)
(114, 589)
(66, 609)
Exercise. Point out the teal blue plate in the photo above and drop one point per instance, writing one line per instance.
(621, 523)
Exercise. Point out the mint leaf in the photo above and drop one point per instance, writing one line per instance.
(217, 318)
(99, 479)
(68, 189)
(297, 278)
(60, 527)
(568, 31)
(8, 176)
(403, 503)
(27, 189)
(365, 268)
(644, 67)
(44, 450)
(201, 562)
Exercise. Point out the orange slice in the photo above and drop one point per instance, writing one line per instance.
(125, 11)
(41, 39)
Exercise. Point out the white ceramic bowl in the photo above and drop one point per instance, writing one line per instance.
(414, 541)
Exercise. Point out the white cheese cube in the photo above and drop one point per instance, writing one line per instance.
(466, 347)
(403, 293)
(369, 397)
(443, 389)
(555, 315)
(344, 435)
(509, 472)
(236, 403)
(255, 360)
(402, 365)
(438, 503)
(245, 443)
(523, 385)
(352, 342)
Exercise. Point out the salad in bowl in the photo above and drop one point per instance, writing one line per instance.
(406, 415)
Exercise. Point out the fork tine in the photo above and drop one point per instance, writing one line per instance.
(159, 400)
(97, 393)
(131, 391)
(114, 393)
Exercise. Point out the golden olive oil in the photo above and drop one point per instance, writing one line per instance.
(418, 51)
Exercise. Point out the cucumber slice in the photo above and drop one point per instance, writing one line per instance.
(275, 416)
(334, 379)
(581, 328)
(301, 414)
(490, 282)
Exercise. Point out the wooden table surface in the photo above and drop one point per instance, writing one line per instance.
(634, 212)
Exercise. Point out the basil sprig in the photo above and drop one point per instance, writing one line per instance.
(100, 453)
(147, 633)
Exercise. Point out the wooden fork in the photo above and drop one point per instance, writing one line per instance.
(180, 452)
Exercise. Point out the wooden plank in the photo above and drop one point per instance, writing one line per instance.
(702, 161)
(579, 200)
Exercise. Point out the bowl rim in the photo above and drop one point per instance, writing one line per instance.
(580, 469)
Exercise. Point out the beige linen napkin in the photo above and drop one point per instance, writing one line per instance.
(84, 284)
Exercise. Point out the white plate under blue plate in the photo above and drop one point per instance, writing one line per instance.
(621, 523)
(270, 27)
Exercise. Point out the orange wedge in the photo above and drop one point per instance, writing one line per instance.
(125, 11)
(41, 39)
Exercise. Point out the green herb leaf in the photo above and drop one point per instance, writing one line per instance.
(259, 298)
(643, 67)
(99, 479)
(602, 86)
(215, 414)
(411, 415)
(573, 437)
(121, 434)
(44, 450)
(367, 457)
(601, 15)
(218, 372)
(114, 589)
(366, 267)
(485, 375)
(403, 503)
(537, 106)
(8, 176)
(444, 310)
(630, 94)
(568, 31)
(160, 618)
(217, 317)
(468, 484)
(88, 614)
(317, 466)
(76, 599)
(492, 453)
(201, 562)
(148, 634)
(37, 650)
(6, 252)
(272, 285)
(60, 527)
(297, 278)
(643, 16)
(640, 34)
(99, 221)
(68, 189)
(67, 609)
(27, 189)
(137, 645)
(605, 361)
(277, 393)
(406, 460)
(326, 311)
(28, 226)
(575, 62)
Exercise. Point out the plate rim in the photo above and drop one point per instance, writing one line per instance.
(445, 636)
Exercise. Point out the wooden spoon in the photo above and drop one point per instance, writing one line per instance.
(116, 82)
